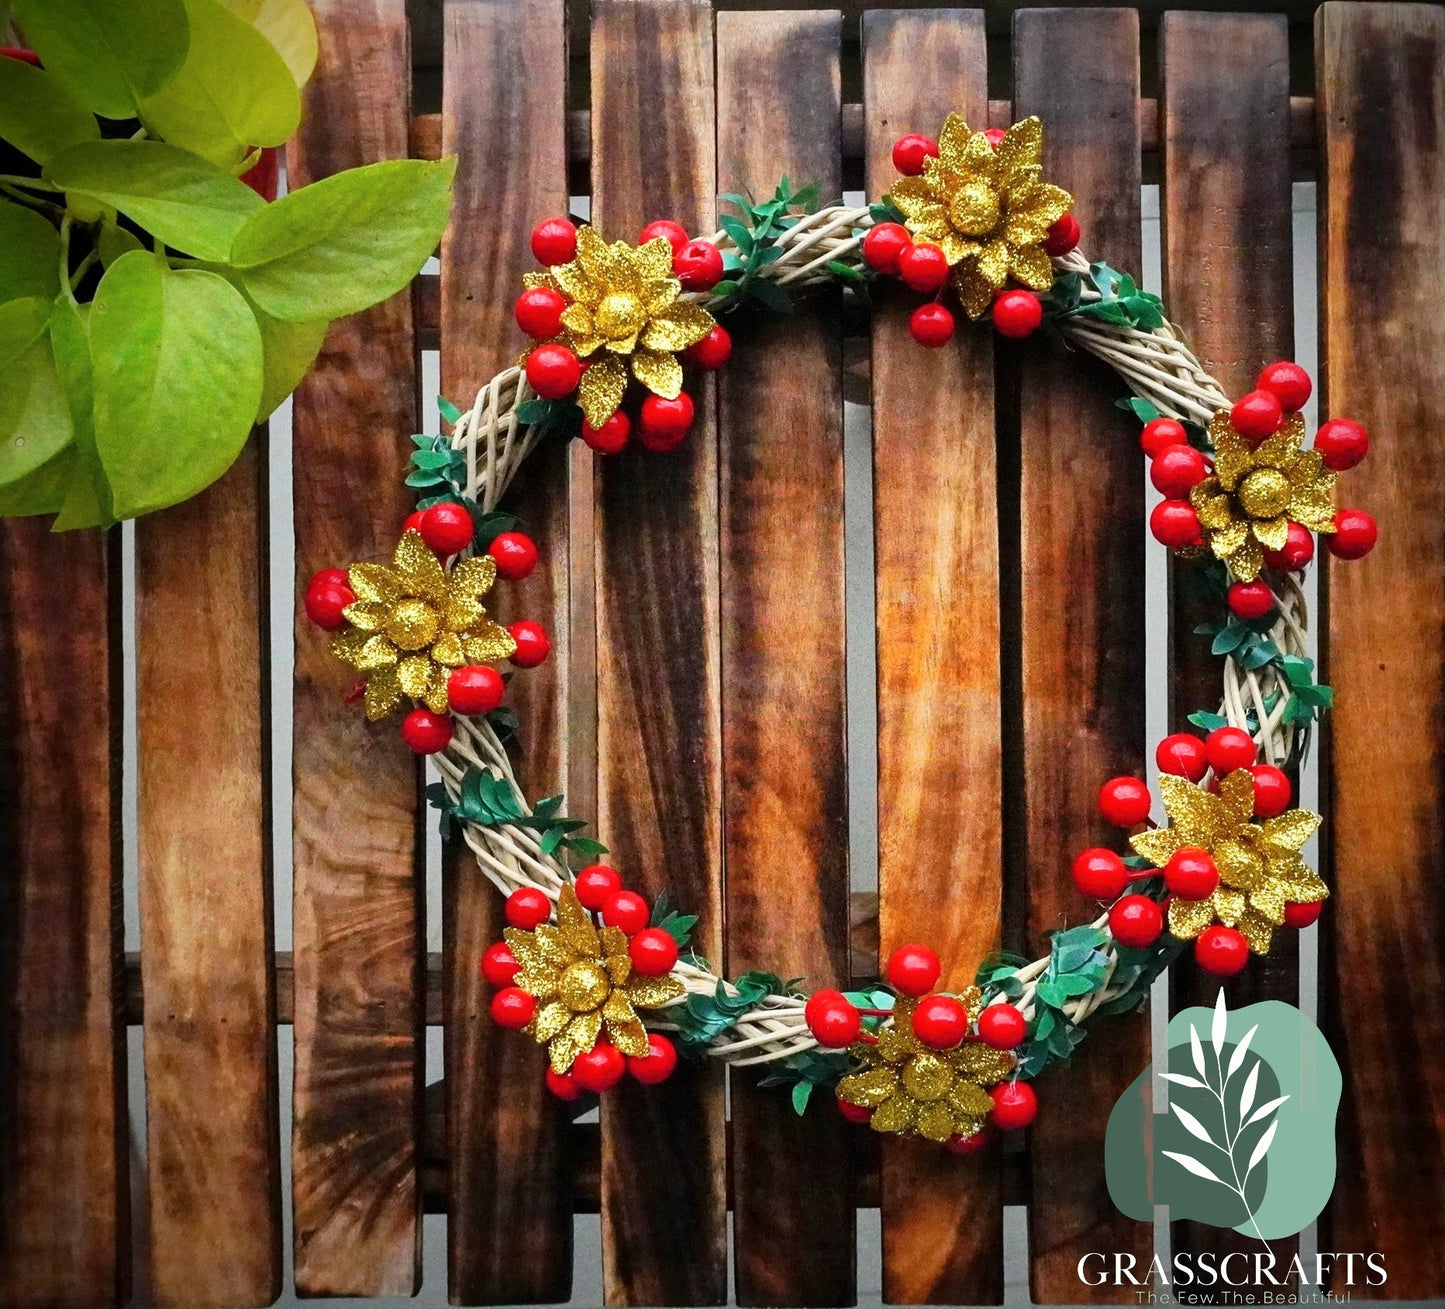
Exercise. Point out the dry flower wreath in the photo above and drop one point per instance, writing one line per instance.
(607, 981)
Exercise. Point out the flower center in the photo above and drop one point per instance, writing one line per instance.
(584, 986)
(619, 315)
(974, 210)
(412, 624)
(927, 1077)
(1264, 493)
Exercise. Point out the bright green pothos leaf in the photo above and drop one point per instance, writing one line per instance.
(29, 252)
(178, 372)
(87, 498)
(34, 416)
(346, 242)
(288, 351)
(38, 114)
(289, 26)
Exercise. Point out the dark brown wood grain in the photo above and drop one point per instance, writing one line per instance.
(64, 1185)
(1381, 95)
(937, 571)
(781, 424)
(509, 1234)
(358, 928)
(658, 733)
(1082, 614)
(203, 715)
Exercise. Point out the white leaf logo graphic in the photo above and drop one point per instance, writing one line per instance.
(1265, 1110)
(1216, 1031)
(1246, 1096)
(1237, 1057)
(1262, 1148)
(1179, 1079)
(1195, 1167)
(1197, 1051)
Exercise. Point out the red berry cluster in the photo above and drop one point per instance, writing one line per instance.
(553, 369)
(653, 952)
(889, 248)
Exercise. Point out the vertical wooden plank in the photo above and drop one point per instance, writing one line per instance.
(781, 423)
(1082, 613)
(664, 1210)
(509, 1229)
(205, 896)
(1228, 279)
(1381, 103)
(64, 1186)
(358, 929)
(937, 569)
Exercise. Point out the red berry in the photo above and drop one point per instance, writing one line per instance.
(562, 1085)
(527, 907)
(513, 1007)
(516, 555)
(1136, 921)
(447, 527)
(1002, 1026)
(1302, 915)
(1014, 1106)
(600, 1068)
(553, 371)
(1160, 434)
(413, 521)
(931, 325)
(1228, 748)
(626, 910)
(1191, 874)
(675, 234)
(1272, 791)
(1257, 415)
(1354, 536)
(712, 352)
(1173, 523)
(611, 437)
(426, 732)
(325, 603)
(475, 690)
(499, 964)
(1288, 382)
(596, 884)
(995, 136)
(533, 643)
(1250, 599)
(966, 1144)
(1177, 470)
(329, 577)
(1342, 443)
(833, 1019)
(913, 970)
(554, 241)
(940, 1022)
(539, 312)
(1062, 237)
(1181, 754)
(910, 151)
(1299, 549)
(698, 266)
(882, 246)
(1099, 874)
(658, 1064)
(854, 1113)
(1017, 314)
(1221, 950)
(653, 951)
(1124, 801)
(923, 267)
(663, 423)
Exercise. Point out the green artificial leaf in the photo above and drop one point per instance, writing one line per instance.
(38, 114)
(186, 202)
(451, 415)
(87, 500)
(34, 415)
(29, 252)
(114, 241)
(801, 1091)
(178, 375)
(233, 92)
(1145, 411)
(347, 242)
(110, 54)
(288, 26)
(1208, 721)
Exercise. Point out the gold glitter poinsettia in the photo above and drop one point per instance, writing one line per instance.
(413, 622)
(988, 209)
(915, 1091)
(583, 981)
(1260, 867)
(1246, 507)
(624, 306)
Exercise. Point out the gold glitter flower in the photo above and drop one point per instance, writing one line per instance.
(1246, 507)
(989, 210)
(915, 1091)
(583, 981)
(624, 303)
(1260, 868)
(413, 622)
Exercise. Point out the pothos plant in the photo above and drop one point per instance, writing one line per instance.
(156, 300)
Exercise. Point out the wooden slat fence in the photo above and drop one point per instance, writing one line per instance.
(696, 701)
